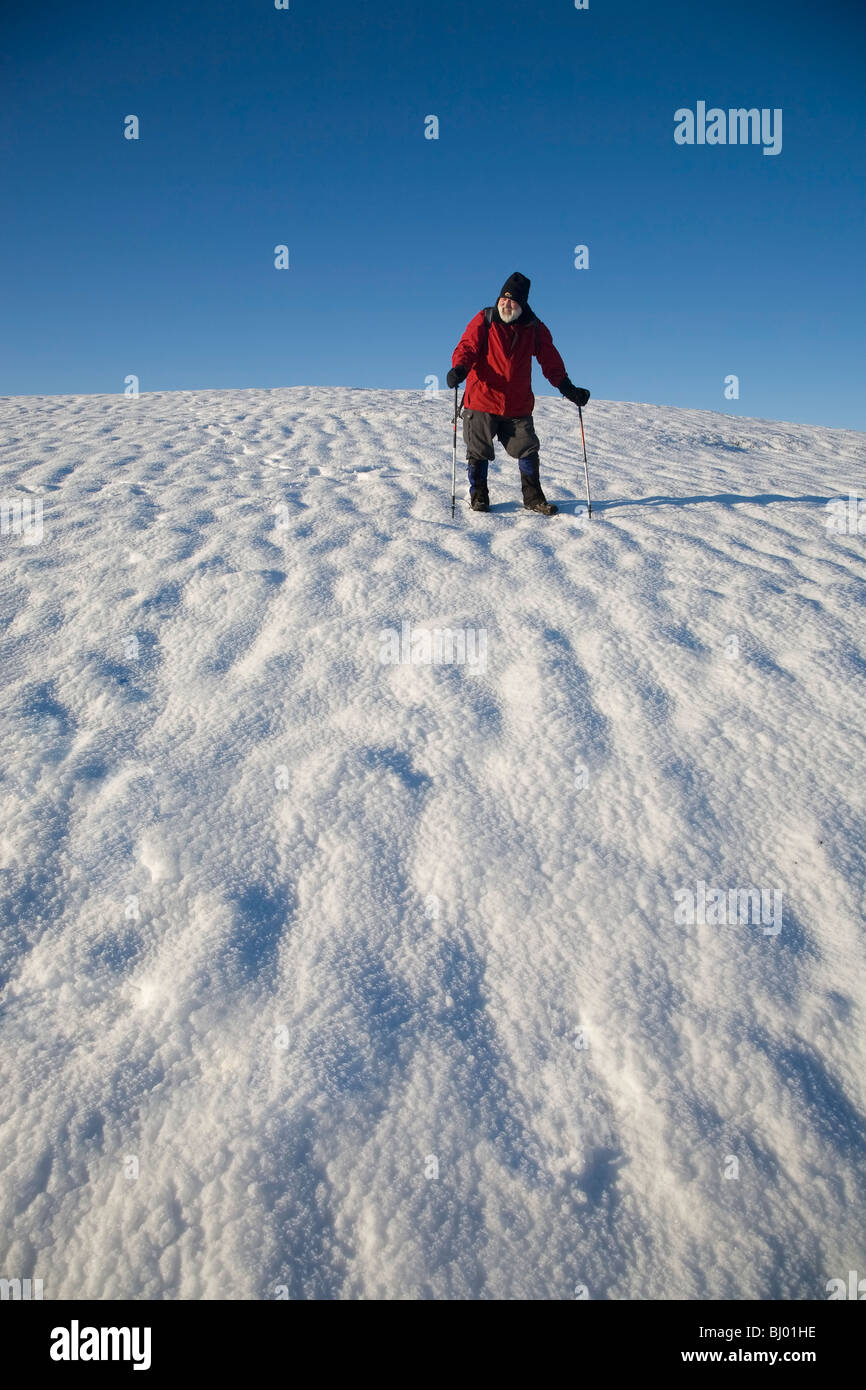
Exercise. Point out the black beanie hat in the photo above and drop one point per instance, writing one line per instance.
(517, 286)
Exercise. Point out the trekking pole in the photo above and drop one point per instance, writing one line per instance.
(454, 455)
(585, 468)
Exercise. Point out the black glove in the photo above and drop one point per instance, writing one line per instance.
(578, 394)
(455, 376)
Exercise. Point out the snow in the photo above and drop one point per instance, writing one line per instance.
(329, 976)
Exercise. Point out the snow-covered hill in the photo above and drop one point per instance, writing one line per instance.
(345, 959)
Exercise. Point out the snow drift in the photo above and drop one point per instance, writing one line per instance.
(337, 963)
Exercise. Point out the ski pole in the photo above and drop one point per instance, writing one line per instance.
(585, 468)
(454, 455)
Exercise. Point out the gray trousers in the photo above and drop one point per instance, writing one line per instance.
(516, 435)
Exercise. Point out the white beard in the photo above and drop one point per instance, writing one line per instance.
(509, 318)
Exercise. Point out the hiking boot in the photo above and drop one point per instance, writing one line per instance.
(534, 499)
(479, 500)
(541, 504)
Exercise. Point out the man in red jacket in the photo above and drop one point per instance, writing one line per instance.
(496, 353)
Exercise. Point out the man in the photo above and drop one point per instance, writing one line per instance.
(496, 353)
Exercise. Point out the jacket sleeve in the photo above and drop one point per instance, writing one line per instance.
(548, 358)
(466, 351)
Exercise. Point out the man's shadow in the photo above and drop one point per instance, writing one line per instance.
(728, 499)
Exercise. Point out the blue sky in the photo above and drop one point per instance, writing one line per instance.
(306, 127)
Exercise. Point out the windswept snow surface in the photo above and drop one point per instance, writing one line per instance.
(329, 976)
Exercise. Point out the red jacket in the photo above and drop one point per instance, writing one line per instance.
(500, 381)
